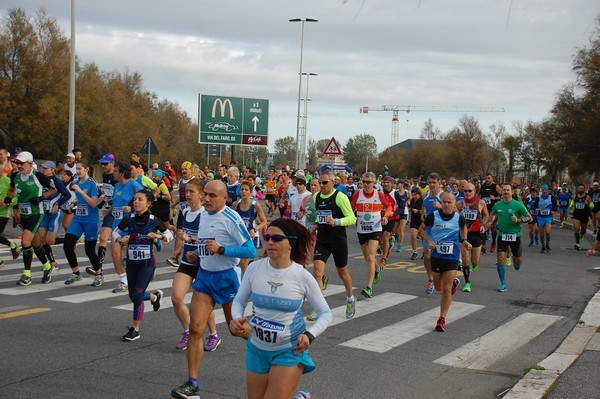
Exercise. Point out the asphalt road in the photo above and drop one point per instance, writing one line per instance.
(65, 342)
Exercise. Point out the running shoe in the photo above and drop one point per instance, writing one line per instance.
(47, 275)
(173, 262)
(367, 292)
(537, 241)
(517, 267)
(474, 268)
(73, 279)
(483, 249)
(377, 277)
(467, 287)
(131, 335)
(531, 243)
(413, 256)
(455, 285)
(508, 261)
(24, 281)
(399, 248)
(158, 245)
(502, 288)
(312, 316)
(212, 342)
(423, 256)
(493, 248)
(577, 247)
(562, 225)
(429, 288)
(548, 250)
(186, 391)
(98, 281)
(543, 251)
(302, 395)
(54, 265)
(121, 287)
(1, 261)
(156, 304)
(14, 250)
(182, 345)
(382, 263)
(441, 324)
(350, 308)
(325, 280)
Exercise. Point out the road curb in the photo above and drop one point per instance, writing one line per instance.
(536, 383)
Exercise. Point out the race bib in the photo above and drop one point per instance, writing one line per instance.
(487, 200)
(563, 203)
(81, 211)
(322, 216)
(510, 237)
(117, 213)
(445, 248)
(266, 330)
(25, 209)
(545, 212)
(470, 214)
(181, 206)
(366, 227)
(202, 251)
(139, 251)
(47, 205)
(579, 205)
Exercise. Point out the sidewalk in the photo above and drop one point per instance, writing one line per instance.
(572, 370)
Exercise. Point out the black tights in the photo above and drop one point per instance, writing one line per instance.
(90, 251)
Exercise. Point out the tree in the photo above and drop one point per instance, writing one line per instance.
(315, 150)
(358, 149)
(429, 132)
(468, 145)
(285, 151)
(512, 145)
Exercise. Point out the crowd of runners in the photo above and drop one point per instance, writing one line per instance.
(218, 219)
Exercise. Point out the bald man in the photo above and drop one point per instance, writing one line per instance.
(222, 240)
(476, 215)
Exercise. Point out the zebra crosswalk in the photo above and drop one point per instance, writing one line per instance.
(479, 354)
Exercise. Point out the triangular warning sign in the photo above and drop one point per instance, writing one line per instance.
(333, 148)
(149, 147)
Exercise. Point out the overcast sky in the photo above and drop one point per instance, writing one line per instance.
(477, 53)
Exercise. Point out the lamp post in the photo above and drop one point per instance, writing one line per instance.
(298, 148)
(301, 142)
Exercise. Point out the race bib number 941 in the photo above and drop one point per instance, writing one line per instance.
(139, 252)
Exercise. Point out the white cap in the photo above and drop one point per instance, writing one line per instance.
(25, 156)
(71, 155)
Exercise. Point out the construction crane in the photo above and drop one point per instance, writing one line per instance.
(395, 109)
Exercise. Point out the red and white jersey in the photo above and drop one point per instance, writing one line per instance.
(391, 198)
(369, 209)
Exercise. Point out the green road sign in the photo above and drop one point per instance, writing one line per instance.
(233, 120)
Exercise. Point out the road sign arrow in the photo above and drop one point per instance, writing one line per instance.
(255, 121)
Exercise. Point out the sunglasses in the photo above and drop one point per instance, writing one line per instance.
(276, 237)
(367, 182)
(468, 191)
(103, 163)
(299, 183)
(19, 162)
(323, 182)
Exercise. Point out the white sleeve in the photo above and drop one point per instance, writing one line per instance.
(317, 302)
(243, 295)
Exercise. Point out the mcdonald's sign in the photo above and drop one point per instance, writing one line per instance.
(233, 120)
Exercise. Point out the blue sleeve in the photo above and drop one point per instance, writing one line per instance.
(65, 195)
(246, 251)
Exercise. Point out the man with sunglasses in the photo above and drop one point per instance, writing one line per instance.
(222, 240)
(297, 200)
(431, 201)
(334, 213)
(372, 210)
(474, 210)
(108, 187)
(490, 194)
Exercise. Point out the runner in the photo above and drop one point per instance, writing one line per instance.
(476, 217)
(253, 216)
(534, 231)
(510, 214)
(402, 198)
(29, 184)
(141, 227)
(53, 217)
(296, 201)
(86, 221)
(595, 194)
(415, 205)
(277, 348)
(5, 214)
(393, 216)
(270, 192)
(563, 198)
(545, 206)
(222, 240)
(233, 185)
(490, 193)
(372, 212)
(581, 214)
(431, 202)
(444, 230)
(107, 163)
(334, 213)
(179, 205)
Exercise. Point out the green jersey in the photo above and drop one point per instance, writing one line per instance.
(29, 190)
(4, 186)
(505, 210)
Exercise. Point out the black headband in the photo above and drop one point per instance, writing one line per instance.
(288, 229)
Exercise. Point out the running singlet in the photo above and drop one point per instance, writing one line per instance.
(270, 187)
(181, 187)
(233, 193)
(108, 186)
(123, 194)
(139, 248)
(544, 206)
(505, 211)
(328, 207)
(563, 199)
(391, 198)
(445, 234)
(84, 212)
(29, 191)
(429, 202)
(471, 214)
(582, 210)
(368, 213)
(486, 192)
(190, 224)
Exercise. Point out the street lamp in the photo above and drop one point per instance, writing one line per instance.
(301, 142)
(298, 148)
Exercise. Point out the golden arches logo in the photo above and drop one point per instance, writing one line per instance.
(223, 106)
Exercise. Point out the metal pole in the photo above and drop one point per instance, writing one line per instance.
(71, 138)
(302, 139)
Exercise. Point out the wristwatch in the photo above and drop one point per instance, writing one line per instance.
(221, 250)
